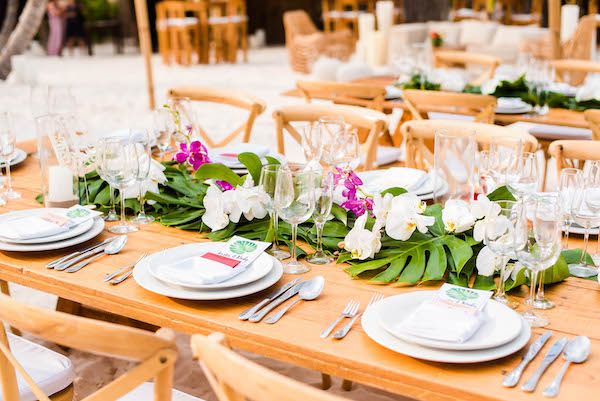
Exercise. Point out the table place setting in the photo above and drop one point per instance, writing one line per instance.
(228, 155)
(419, 182)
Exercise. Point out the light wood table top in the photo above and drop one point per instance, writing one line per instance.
(563, 117)
(295, 338)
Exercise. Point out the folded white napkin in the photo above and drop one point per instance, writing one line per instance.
(548, 131)
(234, 150)
(400, 177)
(198, 270)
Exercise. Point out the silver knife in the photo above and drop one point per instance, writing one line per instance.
(78, 258)
(257, 317)
(511, 379)
(550, 357)
(245, 315)
(56, 262)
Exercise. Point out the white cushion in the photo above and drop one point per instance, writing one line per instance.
(145, 392)
(435, 115)
(353, 70)
(388, 154)
(344, 14)
(227, 19)
(325, 68)
(52, 371)
(554, 132)
(162, 24)
(512, 35)
(476, 32)
(403, 35)
(450, 31)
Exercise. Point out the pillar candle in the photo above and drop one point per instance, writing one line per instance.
(60, 184)
(569, 18)
(385, 15)
(366, 25)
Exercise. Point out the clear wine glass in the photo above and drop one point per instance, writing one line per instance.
(570, 190)
(505, 153)
(540, 250)
(323, 204)
(588, 215)
(522, 177)
(504, 235)
(119, 166)
(185, 118)
(329, 130)
(591, 173)
(8, 141)
(312, 144)
(111, 215)
(485, 169)
(142, 146)
(268, 181)
(163, 130)
(295, 203)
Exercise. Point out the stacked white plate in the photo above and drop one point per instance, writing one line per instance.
(19, 156)
(416, 181)
(261, 274)
(74, 236)
(503, 333)
(512, 105)
(229, 155)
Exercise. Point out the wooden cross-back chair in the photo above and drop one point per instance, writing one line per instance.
(515, 12)
(592, 116)
(241, 100)
(155, 353)
(228, 20)
(574, 71)
(341, 14)
(451, 58)
(573, 153)
(420, 136)
(371, 121)
(369, 96)
(418, 102)
(178, 34)
(460, 11)
(224, 368)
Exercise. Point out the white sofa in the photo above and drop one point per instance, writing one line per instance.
(485, 37)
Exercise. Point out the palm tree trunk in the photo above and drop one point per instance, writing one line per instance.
(21, 36)
(10, 19)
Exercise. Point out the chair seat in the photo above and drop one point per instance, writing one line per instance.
(387, 155)
(145, 392)
(52, 371)
(525, 17)
(187, 21)
(343, 14)
(234, 19)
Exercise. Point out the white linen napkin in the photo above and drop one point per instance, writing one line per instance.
(400, 177)
(453, 314)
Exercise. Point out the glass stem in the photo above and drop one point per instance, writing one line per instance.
(534, 274)
(274, 219)
(567, 229)
(540, 292)
(320, 237)
(142, 200)
(112, 200)
(293, 250)
(122, 195)
(500, 291)
(8, 177)
(586, 238)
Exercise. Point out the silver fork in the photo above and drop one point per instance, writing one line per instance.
(341, 333)
(119, 278)
(122, 270)
(348, 312)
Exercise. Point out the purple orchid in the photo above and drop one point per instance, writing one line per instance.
(351, 182)
(196, 155)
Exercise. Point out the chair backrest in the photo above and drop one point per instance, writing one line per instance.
(374, 122)
(156, 353)
(229, 97)
(573, 153)
(297, 23)
(482, 107)
(420, 136)
(592, 116)
(448, 58)
(533, 15)
(234, 378)
(170, 9)
(574, 71)
(580, 44)
(369, 96)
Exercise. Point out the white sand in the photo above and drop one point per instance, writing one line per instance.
(111, 93)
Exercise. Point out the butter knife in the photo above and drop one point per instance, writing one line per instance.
(511, 379)
(257, 317)
(245, 315)
(550, 357)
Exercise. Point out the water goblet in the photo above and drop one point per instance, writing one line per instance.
(311, 144)
(268, 181)
(570, 189)
(329, 129)
(323, 204)
(522, 177)
(143, 153)
(163, 130)
(587, 215)
(7, 150)
(295, 203)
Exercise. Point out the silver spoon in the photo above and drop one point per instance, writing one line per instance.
(111, 249)
(309, 291)
(576, 351)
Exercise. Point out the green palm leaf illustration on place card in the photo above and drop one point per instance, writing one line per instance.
(241, 247)
(75, 213)
(461, 294)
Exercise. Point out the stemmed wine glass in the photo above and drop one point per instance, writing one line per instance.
(163, 130)
(119, 167)
(7, 150)
(503, 234)
(522, 177)
(504, 153)
(587, 215)
(329, 130)
(323, 204)
(143, 153)
(185, 118)
(312, 144)
(295, 203)
(268, 181)
(541, 248)
(570, 189)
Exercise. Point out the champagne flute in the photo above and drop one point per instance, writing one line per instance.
(267, 181)
(570, 187)
(323, 204)
(143, 153)
(163, 130)
(540, 250)
(120, 169)
(504, 235)
(295, 203)
(7, 150)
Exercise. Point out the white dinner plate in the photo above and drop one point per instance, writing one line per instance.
(526, 108)
(577, 229)
(19, 156)
(375, 181)
(257, 270)
(502, 324)
(96, 229)
(370, 324)
(73, 232)
(142, 275)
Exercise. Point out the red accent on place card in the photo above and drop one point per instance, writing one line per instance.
(229, 154)
(56, 219)
(221, 259)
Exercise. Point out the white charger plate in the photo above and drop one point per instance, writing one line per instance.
(370, 324)
(49, 246)
(73, 232)
(257, 270)
(142, 275)
(501, 326)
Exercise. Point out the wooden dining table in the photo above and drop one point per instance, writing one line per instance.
(555, 116)
(295, 339)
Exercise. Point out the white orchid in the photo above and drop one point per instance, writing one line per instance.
(382, 206)
(406, 215)
(362, 243)
(489, 86)
(155, 177)
(215, 215)
(487, 262)
(246, 199)
(457, 216)
(485, 211)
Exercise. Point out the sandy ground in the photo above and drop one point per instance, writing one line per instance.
(110, 92)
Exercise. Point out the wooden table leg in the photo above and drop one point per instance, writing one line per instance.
(325, 381)
(67, 306)
(347, 385)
